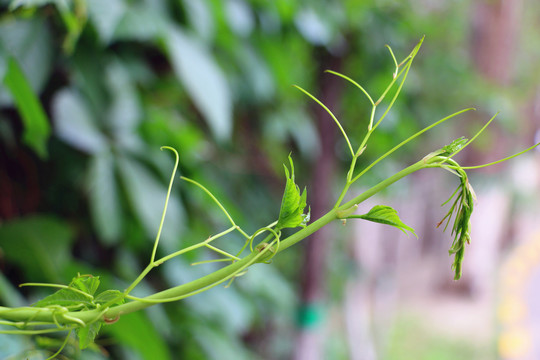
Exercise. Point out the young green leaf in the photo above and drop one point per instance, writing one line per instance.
(111, 297)
(36, 123)
(86, 283)
(88, 333)
(293, 203)
(385, 215)
(65, 297)
(79, 292)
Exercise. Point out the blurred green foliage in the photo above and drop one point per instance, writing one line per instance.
(118, 79)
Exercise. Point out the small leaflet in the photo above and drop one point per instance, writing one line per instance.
(383, 214)
(110, 297)
(291, 214)
(88, 333)
(70, 297)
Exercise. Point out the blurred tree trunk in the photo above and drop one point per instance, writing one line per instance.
(309, 340)
(494, 38)
(494, 41)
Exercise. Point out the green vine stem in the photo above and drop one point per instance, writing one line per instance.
(213, 279)
(91, 311)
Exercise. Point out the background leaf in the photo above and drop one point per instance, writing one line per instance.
(31, 3)
(147, 197)
(36, 123)
(29, 42)
(74, 123)
(9, 296)
(104, 199)
(196, 69)
(140, 23)
(124, 113)
(106, 15)
(40, 245)
(137, 332)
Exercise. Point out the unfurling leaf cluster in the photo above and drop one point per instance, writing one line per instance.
(461, 209)
(454, 146)
(291, 213)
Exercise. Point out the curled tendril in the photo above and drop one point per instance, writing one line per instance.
(260, 231)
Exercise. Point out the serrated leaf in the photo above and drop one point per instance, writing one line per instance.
(88, 333)
(65, 297)
(291, 213)
(111, 297)
(86, 283)
(383, 214)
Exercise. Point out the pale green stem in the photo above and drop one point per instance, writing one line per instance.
(354, 83)
(408, 140)
(21, 324)
(217, 277)
(398, 91)
(249, 239)
(260, 231)
(162, 296)
(475, 136)
(331, 114)
(61, 347)
(196, 246)
(60, 286)
(156, 242)
(210, 261)
(213, 198)
(494, 162)
(244, 234)
(394, 80)
(35, 332)
(170, 256)
(350, 182)
(372, 128)
(222, 252)
(393, 58)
